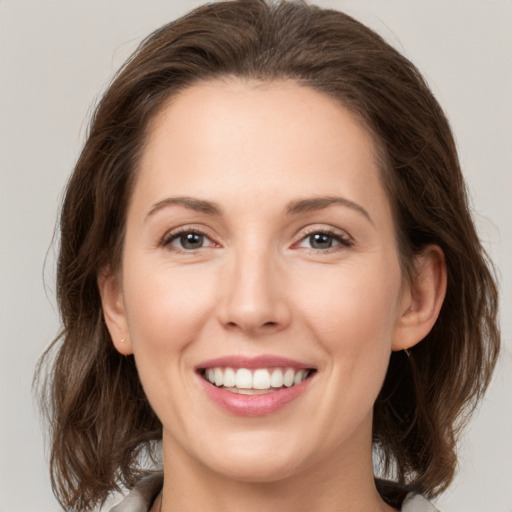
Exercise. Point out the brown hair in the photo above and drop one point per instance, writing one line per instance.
(100, 419)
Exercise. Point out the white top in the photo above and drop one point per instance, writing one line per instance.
(417, 503)
(139, 499)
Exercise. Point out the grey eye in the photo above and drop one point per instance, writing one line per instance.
(190, 241)
(320, 241)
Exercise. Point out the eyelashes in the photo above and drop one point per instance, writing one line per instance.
(324, 240)
(190, 240)
(187, 239)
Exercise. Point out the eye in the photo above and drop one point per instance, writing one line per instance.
(324, 241)
(320, 241)
(187, 240)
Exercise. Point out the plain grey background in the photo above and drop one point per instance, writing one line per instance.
(55, 59)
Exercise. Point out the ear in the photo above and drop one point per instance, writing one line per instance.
(423, 298)
(109, 285)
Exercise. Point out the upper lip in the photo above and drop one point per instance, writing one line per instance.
(263, 361)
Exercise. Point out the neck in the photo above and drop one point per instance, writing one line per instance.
(344, 483)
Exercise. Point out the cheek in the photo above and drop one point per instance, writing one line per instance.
(354, 323)
(354, 313)
(165, 309)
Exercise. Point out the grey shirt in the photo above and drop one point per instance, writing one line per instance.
(140, 498)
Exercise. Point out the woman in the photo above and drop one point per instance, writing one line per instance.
(268, 264)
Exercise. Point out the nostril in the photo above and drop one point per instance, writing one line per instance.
(235, 325)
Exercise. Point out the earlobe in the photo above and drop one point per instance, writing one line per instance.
(427, 289)
(113, 310)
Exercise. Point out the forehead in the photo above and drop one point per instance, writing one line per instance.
(239, 107)
(230, 136)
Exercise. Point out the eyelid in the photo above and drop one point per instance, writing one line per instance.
(344, 238)
(174, 233)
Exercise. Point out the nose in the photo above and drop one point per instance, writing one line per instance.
(254, 295)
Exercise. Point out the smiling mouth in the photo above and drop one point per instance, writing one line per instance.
(256, 381)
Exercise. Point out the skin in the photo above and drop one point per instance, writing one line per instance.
(258, 285)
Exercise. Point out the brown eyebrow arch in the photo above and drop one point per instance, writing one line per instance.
(319, 203)
(198, 205)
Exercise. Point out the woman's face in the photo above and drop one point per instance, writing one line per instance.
(260, 248)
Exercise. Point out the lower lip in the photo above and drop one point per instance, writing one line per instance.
(254, 405)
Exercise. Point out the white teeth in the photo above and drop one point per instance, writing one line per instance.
(243, 378)
(261, 379)
(276, 381)
(219, 378)
(229, 378)
(299, 377)
(289, 374)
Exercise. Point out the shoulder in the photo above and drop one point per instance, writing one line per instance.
(141, 497)
(417, 503)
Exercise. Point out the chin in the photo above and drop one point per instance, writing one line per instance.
(255, 460)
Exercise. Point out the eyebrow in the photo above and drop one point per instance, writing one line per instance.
(320, 203)
(198, 205)
(292, 208)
